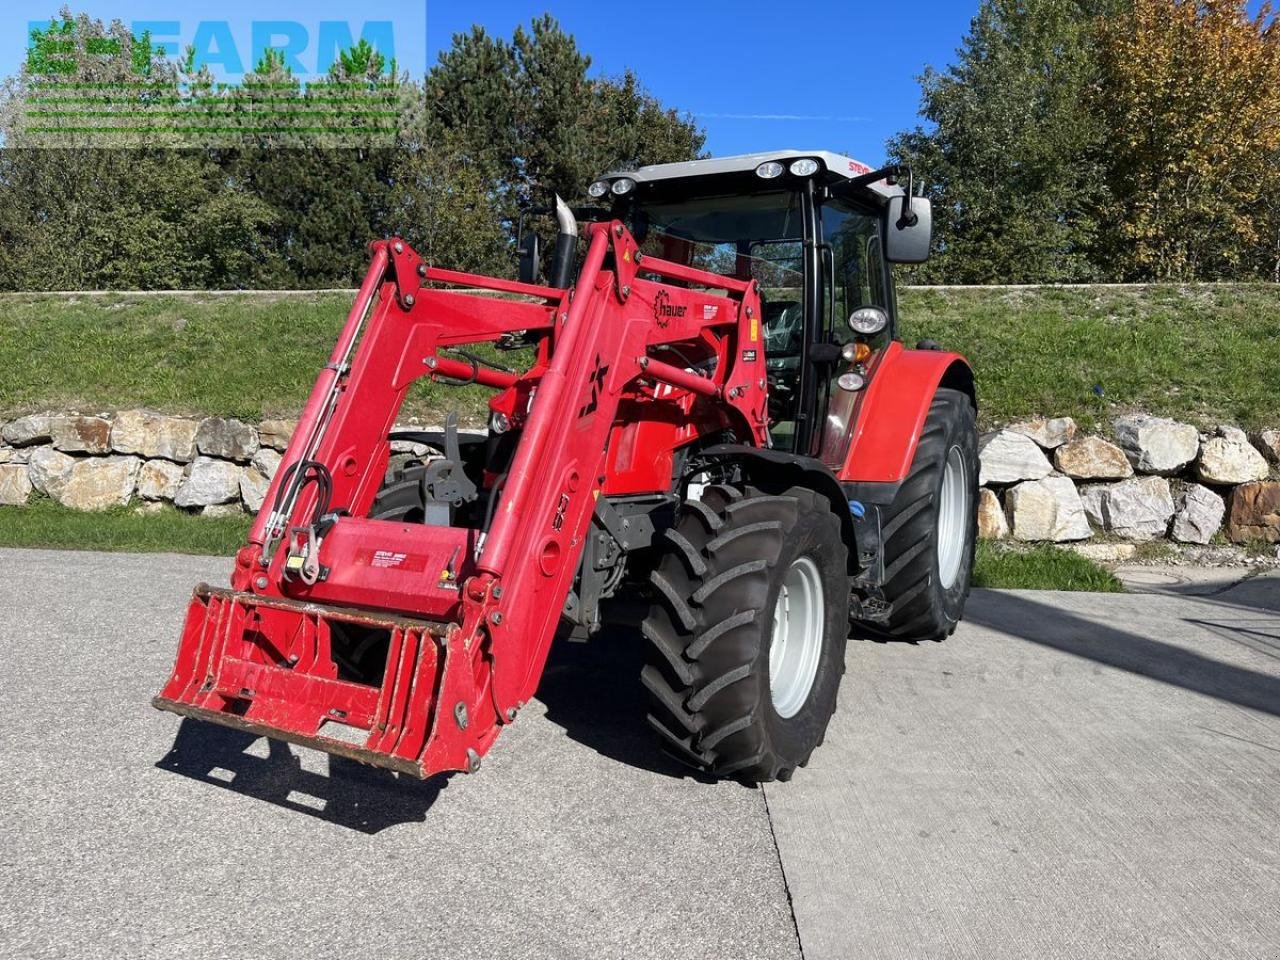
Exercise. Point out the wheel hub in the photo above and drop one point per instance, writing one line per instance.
(953, 518)
(799, 620)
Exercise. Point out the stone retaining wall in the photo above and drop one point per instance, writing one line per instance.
(214, 465)
(1042, 480)
(1155, 478)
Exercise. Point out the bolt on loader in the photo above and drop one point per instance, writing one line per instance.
(713, 432)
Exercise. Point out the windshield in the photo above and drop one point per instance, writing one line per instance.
(757, 237)
(738, 236)
(754, 237)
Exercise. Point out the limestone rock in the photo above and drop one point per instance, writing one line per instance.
(1048, 509)
(1155, 444)
(253, 488)
(222, 510)
(1268, 442)
(1092, 497)
(1008, 457)
(1198, 514)
(992, 524)
(226, 438)
(151, 434)
(149, 506)
(1230, 458)
(209, 482)
(36, 428)
(276, 434)
(1092, 458)
(266, 461)
(15, 484)
(1050, 434)
(76, 434)
(97, 483)
(411, 447)
(15, 454)
(159, 480)
(1253, 512)
(1105, 552)
(1139, 508)
(50, 471)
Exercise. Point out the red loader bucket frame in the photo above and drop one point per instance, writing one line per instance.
(457, 621)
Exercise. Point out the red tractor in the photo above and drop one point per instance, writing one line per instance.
(715, 433)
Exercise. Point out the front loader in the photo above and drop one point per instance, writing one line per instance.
(713, 433)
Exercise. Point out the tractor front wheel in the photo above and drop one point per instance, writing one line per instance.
(747, 633)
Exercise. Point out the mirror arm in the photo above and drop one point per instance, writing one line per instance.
(891, 175)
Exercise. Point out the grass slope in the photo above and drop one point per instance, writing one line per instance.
(47, 524)
(1205, 353)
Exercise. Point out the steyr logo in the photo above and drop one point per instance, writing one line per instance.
(664, 309)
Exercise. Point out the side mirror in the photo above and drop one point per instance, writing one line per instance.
(908, 229)
(530, 257)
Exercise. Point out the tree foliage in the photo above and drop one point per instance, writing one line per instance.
(496, 124)
(1014, 157)
(1104, 139)
(1191, 102)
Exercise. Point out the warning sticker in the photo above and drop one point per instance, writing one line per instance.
(709, 311)
(391, 560)
(748, 356)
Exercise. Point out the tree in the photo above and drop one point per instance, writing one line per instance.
(1014, 160)
(527, 112)
(77, 212)
(1191, 102)
(255, 198)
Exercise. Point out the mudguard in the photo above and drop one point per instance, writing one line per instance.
(891, 415)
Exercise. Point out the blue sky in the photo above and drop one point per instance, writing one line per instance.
(758, 75)
(834, 74)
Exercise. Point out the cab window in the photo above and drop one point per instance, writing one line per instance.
(854, 277)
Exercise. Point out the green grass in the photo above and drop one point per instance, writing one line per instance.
(44, 523)
(250, 356)
(1203, 353)
(1206, 354)
(1040, 568)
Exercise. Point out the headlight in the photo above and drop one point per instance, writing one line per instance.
(623, 185)
(805, 167)
(868, 320)
(769, 170)
(851, 381)
(598, 189)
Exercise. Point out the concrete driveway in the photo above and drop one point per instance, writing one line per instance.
(1071, 775)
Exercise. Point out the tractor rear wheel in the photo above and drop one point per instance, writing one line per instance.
(929, 530)
(747, 632)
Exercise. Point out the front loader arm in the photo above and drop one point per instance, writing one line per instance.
(466, 615)
(601, 349)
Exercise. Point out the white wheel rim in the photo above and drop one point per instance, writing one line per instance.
(953, 518)
(799, 620)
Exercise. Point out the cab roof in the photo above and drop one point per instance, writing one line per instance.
(834, 167)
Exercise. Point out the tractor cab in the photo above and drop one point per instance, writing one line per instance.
(817, 232)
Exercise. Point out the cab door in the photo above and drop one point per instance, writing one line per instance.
(855, 275)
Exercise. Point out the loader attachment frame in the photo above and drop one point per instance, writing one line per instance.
(409, 645)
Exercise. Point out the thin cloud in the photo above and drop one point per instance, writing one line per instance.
(782, 116)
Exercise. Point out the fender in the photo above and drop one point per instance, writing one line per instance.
(788, 470)
(893, 410)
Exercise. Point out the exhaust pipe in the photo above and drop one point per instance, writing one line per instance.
(566, 245)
